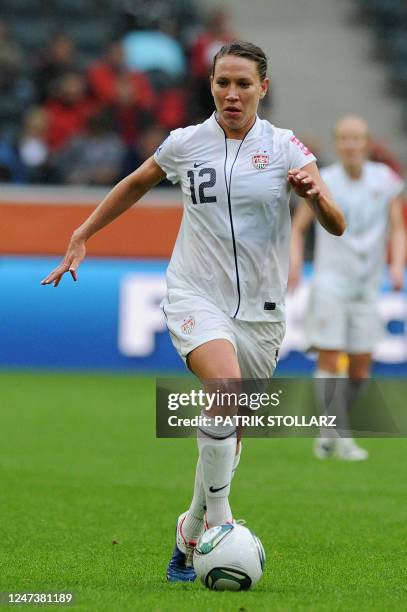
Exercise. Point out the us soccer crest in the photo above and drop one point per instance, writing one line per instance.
(261, 161)
(188, 324)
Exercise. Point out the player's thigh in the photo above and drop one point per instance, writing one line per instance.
(258, 346)
(325, 322)
(364, 328)
(215, 359)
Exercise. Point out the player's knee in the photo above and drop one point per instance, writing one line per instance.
(358, 375)
(223, 396)
(359, 367)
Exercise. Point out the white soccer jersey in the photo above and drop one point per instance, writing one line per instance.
(233, 244)
(351, 266)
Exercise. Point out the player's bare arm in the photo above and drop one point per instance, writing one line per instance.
(308, 184)
(126, 193)
(303, 218)
(397, 244)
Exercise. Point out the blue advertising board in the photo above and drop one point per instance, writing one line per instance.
(111, 319)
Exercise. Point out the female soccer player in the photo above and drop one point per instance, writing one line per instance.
(228, 273)
(342, 311)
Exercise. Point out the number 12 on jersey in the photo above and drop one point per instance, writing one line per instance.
(203, 198)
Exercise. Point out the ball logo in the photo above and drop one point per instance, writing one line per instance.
(261, 161)
(188, 324)
(212, 537)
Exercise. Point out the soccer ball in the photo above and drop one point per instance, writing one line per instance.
(229, 557)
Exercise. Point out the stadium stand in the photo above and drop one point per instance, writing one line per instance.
(69, 66)
(60, 59)
(388, 19)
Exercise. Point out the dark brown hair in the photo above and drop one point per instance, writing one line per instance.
(242, 48)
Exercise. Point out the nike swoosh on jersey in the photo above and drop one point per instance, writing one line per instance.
(213, 490)
(196, 165)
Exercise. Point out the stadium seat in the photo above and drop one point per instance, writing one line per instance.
(389, 21)
(29, 35)
(399, 78)
(11, 8)
(91, 35)
(75, 8)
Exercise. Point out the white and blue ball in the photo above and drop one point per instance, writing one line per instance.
(229, 557)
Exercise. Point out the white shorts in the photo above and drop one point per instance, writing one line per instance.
(192, 321)
(341, 325)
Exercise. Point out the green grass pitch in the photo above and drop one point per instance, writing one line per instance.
(80, 469)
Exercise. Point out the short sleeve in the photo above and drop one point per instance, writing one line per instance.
(166, 158)
(298, 154)
(394, 183)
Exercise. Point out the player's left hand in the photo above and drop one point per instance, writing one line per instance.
(303, 183)
(396, 277)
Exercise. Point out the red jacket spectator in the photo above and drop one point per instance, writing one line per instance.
(208, 43)
(104, 76)
(172, 111)
(128, 117)
(52, 63)
(69, 111)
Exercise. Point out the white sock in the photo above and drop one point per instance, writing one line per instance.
(331, 394)
(219, 511)
(217, 456)
(236, 460)
(193, 523)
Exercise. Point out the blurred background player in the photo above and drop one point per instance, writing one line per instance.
(342, 311)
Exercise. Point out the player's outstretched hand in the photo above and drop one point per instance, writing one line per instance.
(303, 183)
(75, 254)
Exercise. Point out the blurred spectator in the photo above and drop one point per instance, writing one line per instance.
(11, 170)
(175, 18)
(128, 117)
(152, 139)
(203, 50)
(33, 147)
(16, 91)
(145, 14)
(105, 76)
(141, 84)
(59, 59)
(10, 54)
(208, 43)
(146, 147)
(154, 51)
(172, 110)
(69, 110)
(94, 158)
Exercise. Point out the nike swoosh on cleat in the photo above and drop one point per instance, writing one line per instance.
(200, 164)
(213, 490)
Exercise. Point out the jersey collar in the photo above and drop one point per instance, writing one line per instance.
(350, 179)
(254, 130)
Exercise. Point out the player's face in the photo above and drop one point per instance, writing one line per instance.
(237, 90)
(352, 143)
